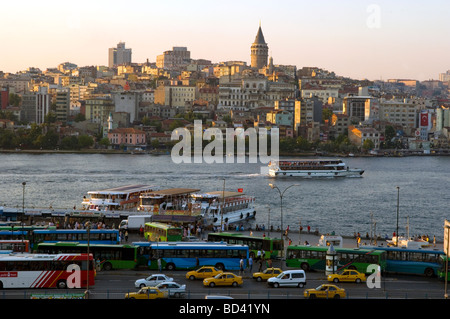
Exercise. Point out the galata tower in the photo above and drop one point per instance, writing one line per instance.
(259, 51)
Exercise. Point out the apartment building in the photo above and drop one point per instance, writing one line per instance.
(175, 95)
(401, 112)
(176, 58)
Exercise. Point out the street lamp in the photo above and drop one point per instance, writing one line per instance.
(281, 202)
(23, 212)
(88, 229)
(398, 201)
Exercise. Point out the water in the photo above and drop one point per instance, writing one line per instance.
(345, 206)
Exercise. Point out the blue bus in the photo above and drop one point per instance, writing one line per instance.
(13, 234)
(412, 261)
(190, 255)
(96, 236)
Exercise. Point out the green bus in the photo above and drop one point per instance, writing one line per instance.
(272, 246)
(162, 232)
(314, 258)
(108, 256)
(444, 263)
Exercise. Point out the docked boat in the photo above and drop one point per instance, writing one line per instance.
(170, 205)
(225, 207)
(123, 198)
(309, 168)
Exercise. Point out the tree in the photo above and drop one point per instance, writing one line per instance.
(85, 141)
(104, 142)
(368, 144)
(80, 117)
(69, 143)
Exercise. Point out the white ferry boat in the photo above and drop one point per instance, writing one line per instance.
(123, 198)
(309, 168)
(225, 207)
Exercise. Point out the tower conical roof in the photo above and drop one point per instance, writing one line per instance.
(259, 37)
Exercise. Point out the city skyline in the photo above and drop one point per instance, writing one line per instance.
(358, 39)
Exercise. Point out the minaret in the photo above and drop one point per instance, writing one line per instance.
(259, 51)
(110, 122)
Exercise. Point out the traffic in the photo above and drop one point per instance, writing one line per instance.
(234, 265)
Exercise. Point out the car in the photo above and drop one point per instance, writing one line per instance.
(147, 293)
(152, 280)
(327, 291)
(223, 279)
(203, 272)
(288, 278)
(190, 238)
(267, 273)
(347, 275)
(173, 289)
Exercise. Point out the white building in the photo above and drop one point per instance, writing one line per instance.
(43, 101)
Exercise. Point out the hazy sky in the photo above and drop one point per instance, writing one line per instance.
(355, 38)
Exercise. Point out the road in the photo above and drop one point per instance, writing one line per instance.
(114, 284)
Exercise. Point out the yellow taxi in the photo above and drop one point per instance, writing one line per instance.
(223, 279)
(327, 291)
(203, 272)
(147, 293)
(347, 275)
(266, 274)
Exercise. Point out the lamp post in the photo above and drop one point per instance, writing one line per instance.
(223, 206)
(88, 229)
(23, 211)
(281, 202)
(398, 201)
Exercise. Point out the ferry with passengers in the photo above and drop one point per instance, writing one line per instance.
(309, 168)
(122, 198)
(225, 207)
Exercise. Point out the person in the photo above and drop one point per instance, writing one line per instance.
(126, 235)
(159, 264)
(250, 263)
(258, 255)
(241, 265)
(141, 231)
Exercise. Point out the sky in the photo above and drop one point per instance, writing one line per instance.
(360, 39)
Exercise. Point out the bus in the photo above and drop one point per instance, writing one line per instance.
(162, 232)
(15, 245)
(271, 246)
(96, 236)
(444, 264)
(46, 271)
(314, 258)
(107, 257)
(412, 261)
(13, 234)
(190, 255)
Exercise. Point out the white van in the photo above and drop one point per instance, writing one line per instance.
(288, 278)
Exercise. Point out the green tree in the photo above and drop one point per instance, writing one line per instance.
(80, 117)
(368, 144)
(69, 143)
(104, 142)
(85, 141)
(8, 139)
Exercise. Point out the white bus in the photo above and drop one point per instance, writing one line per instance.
(46, 271)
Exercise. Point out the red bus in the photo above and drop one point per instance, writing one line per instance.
(46, 271)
